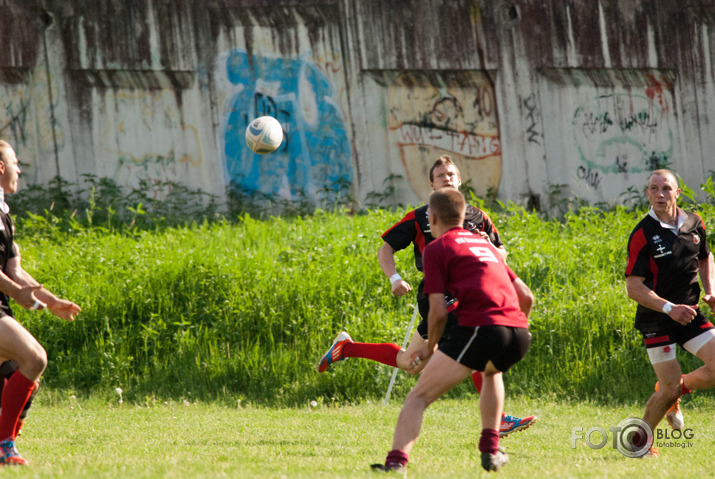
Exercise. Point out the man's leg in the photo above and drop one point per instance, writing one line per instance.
(18, 344)
(668, 374)
(491, 406)
(441, 374)
(390, 354)
(704, 376)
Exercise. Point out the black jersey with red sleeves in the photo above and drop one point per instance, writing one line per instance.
(414, 229)
(669, 263)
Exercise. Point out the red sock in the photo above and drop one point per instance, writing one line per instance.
(639, 438)
(477, 380)
(15, 394)
(397, 457)
(385, 353)
(489, 441)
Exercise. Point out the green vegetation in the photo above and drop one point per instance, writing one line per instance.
(103, 439)
(223, 310)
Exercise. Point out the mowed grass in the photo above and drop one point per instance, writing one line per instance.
(65, 438)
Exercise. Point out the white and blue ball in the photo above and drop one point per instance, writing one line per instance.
(264, 135)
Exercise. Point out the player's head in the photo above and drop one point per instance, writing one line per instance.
(447, 205)
(444, 174)
(663, 191)
(9, 168)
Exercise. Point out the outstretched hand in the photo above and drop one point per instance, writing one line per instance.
(418, 358)
(65, 309)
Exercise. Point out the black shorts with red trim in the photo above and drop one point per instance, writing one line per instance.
(474, 347)
(661, 334)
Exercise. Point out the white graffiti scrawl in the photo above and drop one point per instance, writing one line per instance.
(623, 133)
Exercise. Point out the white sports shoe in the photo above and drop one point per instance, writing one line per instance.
(674, 416)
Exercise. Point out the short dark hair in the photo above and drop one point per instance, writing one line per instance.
(442, 161)
(448, 204)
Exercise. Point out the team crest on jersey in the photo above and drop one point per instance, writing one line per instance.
(657, 239)
(662, 251)
(696, 238)
(471, 226)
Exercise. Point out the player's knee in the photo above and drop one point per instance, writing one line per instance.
(36, 362)
(670, 391)
(417, 400)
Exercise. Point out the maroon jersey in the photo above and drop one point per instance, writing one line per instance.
(472, 269)
(414, 228)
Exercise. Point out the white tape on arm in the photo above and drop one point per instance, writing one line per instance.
(668, 307)
(38, 305)
(395, 277)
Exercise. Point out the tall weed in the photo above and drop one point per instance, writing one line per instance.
(225, 310)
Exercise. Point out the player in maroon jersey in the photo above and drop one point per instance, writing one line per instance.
(414, 229)
(491, 334)
(667, 251)
(16, 343)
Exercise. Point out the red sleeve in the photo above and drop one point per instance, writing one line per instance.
(402, 233)
(636, 266)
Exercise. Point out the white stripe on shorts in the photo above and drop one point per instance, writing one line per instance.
(469, 343)
(661, 354)
(694, 345)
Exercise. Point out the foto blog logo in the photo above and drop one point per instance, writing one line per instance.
(623, 435)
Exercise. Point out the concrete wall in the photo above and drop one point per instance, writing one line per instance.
(525, 95)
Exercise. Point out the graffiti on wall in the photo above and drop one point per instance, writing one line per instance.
(455, 115)
(623, 133)
(27, 119)
(315, 154)
(144, 133)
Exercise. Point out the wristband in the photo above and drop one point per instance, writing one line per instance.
(667, 307)
(395, 277)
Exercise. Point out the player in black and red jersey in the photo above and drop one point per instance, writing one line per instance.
(491, 335)
(414, 229)
(667, 251)
(16, 343)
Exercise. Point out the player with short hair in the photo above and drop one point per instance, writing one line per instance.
(667, 251)
(491, 335)
(414, 229)
(16, 343)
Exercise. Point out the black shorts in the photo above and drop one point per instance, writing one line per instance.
(473, 347)
(658, 334)
(423, 306)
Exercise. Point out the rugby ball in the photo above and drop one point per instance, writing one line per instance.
(264, 135)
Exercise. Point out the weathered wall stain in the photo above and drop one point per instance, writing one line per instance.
(146, 135)
(525, 95)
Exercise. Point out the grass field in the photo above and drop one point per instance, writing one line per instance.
(65, 438)
(235, 313)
